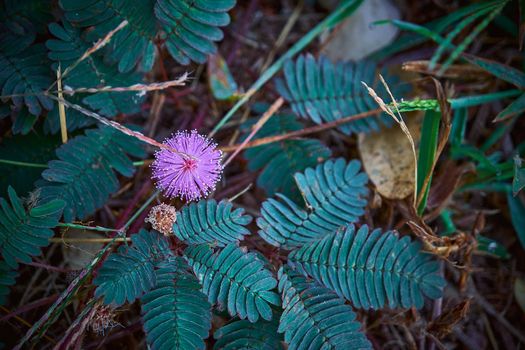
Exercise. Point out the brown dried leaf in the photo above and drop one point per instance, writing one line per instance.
(388, 159)
(445, 323)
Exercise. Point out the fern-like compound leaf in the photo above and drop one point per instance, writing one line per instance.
(335, 193)
(83, 176)
(176, 314)
(191, 27)
(371, 269)
(130, 272)
(23, 232)
(314, 317)
(210, 222)
(324, 92)
(242, 334)
(132, 46)
(7, 278)
(24, 74)
(66, 48)
(236, 280)
(279, 161)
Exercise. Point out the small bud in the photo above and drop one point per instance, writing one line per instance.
(162, 217)
(103, 319)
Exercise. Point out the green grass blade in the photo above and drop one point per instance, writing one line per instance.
(459, 126)
(516, 108)
(457, 29)
(427, 153)
(342, 12)
(470, 38)
(499, 70)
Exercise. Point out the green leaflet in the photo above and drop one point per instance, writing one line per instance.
(192, 27)
(132, 47)
(84, 175)
(242, 334)
(23, 232)
(324, 92)
(236, 280)
(314, 317)
(130, 272)
(25, 70)
(92, 72)
(335, 193)
(175, 313)
(279, 161)
(518, 181)
(517, 214)
(7, 278)
(371, 269)
(210, 222)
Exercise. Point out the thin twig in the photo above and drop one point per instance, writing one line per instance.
(117, 126)
(265, 117)
(302, 132)
(97, 46)
(66, 240)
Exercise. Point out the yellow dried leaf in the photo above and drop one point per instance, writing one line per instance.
(388, 159)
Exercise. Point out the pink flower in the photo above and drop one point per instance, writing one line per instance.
(193, 172)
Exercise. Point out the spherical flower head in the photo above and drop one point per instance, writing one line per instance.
(192, 173)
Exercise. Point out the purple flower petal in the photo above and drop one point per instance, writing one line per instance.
(189, 178)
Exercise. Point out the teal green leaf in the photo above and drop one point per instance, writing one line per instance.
(7, 278)
(235, 279)
(371, 269)
(192, 27)
(335, 193)
(314, 317)
(130, 272)
(222, 84)
(175, 313)
(23, 232)
(66, 48)
(518, 182)
(325, 92)
(242, 334)
(83, 176)
(210, 222)
(279, 161)
(133, 46)
(517, 215)
(25, 71)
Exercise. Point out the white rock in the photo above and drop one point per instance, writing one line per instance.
(358, 38)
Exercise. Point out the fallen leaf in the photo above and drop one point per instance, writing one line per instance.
(444, 324)
(222, 84)
(388, 159)
(519, 292)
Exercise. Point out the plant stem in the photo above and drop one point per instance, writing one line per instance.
(89, 228)
(26, 164)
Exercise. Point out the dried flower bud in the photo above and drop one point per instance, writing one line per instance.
(103, 319)
(162, 217)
